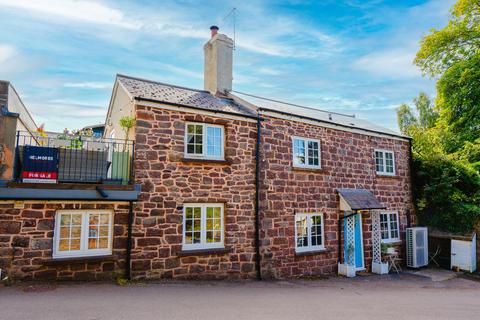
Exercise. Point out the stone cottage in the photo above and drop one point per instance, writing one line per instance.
(235, 186)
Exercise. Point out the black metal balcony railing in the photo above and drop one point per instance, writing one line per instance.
(74, 159)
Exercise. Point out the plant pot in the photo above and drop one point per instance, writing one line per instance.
(346, 270)
(380, 267)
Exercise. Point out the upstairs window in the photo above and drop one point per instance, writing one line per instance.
(385, 162)
(202, 226)
(306, 153)
(309, 235)
(389, 227)
(203, 140)
(82, 233)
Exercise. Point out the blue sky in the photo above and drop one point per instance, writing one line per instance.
(349, 56)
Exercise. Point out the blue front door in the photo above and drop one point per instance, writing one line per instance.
(358, 241)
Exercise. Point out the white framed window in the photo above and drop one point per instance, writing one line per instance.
(204, 140)
(309, 234)
(203, 226)
(385, 162)
(82, 233)
(306, 153)
(389, 226)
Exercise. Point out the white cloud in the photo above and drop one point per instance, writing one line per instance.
(87, 11)
(362, 4)
(269, 71)
(390, 63)
(13, 62)
(6, 52)
(180, 71)
(88, 85)
(58, 114)
(280, 36)
(275, 39)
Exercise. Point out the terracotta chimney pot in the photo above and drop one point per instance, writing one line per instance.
(213, 30)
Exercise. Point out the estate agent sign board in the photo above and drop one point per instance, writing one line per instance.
(40, 164)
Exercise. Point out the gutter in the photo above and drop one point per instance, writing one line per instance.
(257, 201)
(6, 113)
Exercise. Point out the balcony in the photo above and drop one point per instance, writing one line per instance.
(68, 159)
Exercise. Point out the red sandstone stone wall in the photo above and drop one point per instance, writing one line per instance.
(26, 240)
(347, 162)
(168, 182)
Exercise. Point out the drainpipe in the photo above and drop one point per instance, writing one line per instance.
(257, 201)
(128, 258)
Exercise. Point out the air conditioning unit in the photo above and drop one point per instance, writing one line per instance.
(417, 247)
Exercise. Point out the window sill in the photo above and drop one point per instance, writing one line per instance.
(388, 176)
(311, 253)
(203, 252)
(319, 170)
(205, 160)
(60, 261)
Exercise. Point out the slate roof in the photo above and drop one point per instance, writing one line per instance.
(238, 103)
(315, 114)
(360, 199)
(170, 94)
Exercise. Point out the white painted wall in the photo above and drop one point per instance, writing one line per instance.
(121, 105)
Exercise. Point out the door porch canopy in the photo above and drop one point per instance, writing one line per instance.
(358, 200)
(352, 202)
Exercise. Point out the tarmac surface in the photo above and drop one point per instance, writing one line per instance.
(405, 296)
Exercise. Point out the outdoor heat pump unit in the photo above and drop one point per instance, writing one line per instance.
(417, 247)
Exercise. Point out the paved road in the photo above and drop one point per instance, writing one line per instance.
(372, 297)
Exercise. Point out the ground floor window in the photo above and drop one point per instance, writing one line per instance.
(309, 235)
(82, 233)
(203, 226)
(389, 226)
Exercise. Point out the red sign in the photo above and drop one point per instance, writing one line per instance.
(39, 175)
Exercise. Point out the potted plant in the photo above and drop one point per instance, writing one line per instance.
(127, 123)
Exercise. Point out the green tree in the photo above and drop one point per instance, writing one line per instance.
(446, 194)
(446, 136)
(458, 99)
(469, 155)
(427, 115)
(424, 116)
(420, 124)
(406, 119)
(458, 41)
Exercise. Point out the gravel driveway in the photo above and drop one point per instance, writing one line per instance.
(368, 297)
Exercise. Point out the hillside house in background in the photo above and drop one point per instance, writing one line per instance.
(233, 186)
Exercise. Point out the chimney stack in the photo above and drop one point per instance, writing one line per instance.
(218, 74)
(213, 30)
